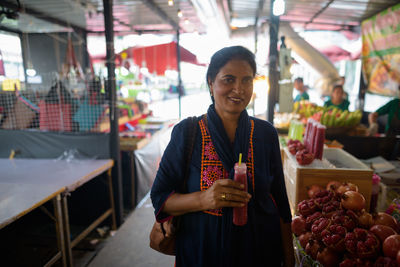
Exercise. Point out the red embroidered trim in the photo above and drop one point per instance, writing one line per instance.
(211, 166)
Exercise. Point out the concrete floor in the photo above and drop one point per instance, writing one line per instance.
(130, 244)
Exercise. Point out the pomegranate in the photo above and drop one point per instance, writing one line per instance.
(328, 257)
(304, 238)
(310, 219)
(323, 197)
(353, 200)
(313, 190)
(347, 187)
(333, 237)
(318, 226)
(304, 157)
(398, 258)
(362, 243)
(382, 231)
(298, 225)
(391, 246)
(356, 262)
(383, 218)
(293, 148)
(333, 185)
(345, 218)
(365, 220)
(312, 248)
(385, 262)
(330, 208)
(307, 207)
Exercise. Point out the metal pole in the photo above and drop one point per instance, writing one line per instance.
(178, 59)
(273, 59)
(22, 39)
(114, 126)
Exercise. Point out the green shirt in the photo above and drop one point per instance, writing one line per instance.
(390, 108)
(303, 96)
(343, 106)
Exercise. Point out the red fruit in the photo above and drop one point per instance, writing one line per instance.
(294, 146)
(304, 157)
(298, 225)
(312, 248)
(391, 246)
(313, 190)
(330, 208)
(333, 237)
(333, 185)
(328, 257)
(347, 187)
(311, 219)
(385, 262)
(347, 219)
(356, 262)
(293, 141)
(304, 238)
(353, 201)
(383, 218)
(362, 243)
(365, 220)
(306, 207)
(398, 258)
(319, 226)
(382, 231)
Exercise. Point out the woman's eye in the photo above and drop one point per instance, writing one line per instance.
(228, 80)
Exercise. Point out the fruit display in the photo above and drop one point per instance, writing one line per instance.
(303, 155)
(328, 116)
(332, 228)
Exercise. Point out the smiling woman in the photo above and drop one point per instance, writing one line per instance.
(207, 235)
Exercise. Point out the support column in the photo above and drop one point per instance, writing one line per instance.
(114, 126)
(273, 61)
(178, 59)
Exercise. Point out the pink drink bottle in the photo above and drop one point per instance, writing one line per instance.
(240, 213)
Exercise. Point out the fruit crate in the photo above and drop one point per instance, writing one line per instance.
(336, 165)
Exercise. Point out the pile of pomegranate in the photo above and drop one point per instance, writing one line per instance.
(333, 228)
(297, 148)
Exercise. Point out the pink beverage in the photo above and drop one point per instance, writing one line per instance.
(319, 141)
(240, 213)
(312, 137)
(307, 133)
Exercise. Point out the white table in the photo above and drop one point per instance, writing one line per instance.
(26, 184)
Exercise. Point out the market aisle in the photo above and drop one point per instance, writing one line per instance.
(130, 245)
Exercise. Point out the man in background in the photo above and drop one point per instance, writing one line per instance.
(299, 86)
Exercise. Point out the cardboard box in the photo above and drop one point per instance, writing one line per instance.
(348, 169)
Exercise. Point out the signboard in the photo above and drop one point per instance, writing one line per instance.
(10, 84)
(381, 51)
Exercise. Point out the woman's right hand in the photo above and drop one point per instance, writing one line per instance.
(372, 117)
(224, 193)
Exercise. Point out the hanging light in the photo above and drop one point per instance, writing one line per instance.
(180, 14)
(278, 7)
(170, 2)
(186, 21)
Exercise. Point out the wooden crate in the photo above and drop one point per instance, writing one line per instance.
(298, 178)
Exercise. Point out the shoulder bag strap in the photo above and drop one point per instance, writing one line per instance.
(191, 132)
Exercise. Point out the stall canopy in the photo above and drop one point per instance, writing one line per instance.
(157, 58)
(335, 53)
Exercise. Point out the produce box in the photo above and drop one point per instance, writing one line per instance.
(336, 165)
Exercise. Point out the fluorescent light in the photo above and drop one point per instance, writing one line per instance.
(180, 14)
(170, 2)
(278, 8)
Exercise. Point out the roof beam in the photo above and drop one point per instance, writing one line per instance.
(318, 13)
(41, 15)
(153, 6)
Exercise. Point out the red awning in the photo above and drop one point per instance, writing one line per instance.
(335, 53)
(157, 58)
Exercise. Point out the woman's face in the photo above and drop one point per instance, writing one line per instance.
(233, 87)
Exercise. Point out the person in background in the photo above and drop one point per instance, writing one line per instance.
(337, 98)
(299, 86)
(207, 236)
(392, 128)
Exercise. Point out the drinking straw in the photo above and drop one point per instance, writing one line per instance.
(240, 158)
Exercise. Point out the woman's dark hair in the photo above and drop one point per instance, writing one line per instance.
(221, 57)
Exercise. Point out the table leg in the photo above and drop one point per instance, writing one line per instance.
(66, 230)
(60, 228)
(114, 221)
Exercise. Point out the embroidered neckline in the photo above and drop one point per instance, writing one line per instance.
(211, 166)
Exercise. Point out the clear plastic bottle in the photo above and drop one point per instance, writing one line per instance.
(240, 213)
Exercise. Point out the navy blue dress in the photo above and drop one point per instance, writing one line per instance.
(209, 240)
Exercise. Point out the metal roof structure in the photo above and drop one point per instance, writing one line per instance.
(142, 16)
